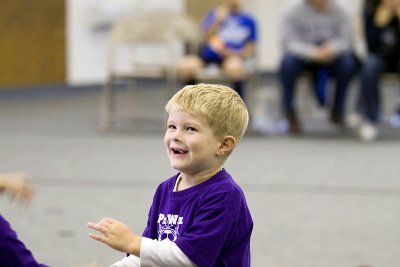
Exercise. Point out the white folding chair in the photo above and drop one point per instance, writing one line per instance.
(163, 32)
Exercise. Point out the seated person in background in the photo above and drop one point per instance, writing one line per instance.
(228, 38)
(316, 36)
(382, 34)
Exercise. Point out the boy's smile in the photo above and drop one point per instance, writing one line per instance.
(191, 145)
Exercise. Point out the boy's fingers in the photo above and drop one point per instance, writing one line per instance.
(108, 220)
(98, 227)
(94, 226)
(96, 237)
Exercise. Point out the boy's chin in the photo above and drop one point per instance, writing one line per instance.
(176, 167)
(180, 168)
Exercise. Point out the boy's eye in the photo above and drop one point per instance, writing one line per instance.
(191, 129)
(171, 126)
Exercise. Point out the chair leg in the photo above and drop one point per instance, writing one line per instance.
(131, 93)
(171, 85)
(251, 92)
(107, 106)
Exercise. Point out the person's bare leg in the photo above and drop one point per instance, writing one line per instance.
(187, 68)
(233, 68)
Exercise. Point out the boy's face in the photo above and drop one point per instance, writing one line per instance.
(191, 144)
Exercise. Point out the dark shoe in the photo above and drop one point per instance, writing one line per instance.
(337, 119)
(294, 123)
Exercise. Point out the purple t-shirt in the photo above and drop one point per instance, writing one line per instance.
(210, 222)
(12, 251)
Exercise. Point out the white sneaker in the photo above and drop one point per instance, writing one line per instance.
(368, 132)
(354, 121)
(395, 120)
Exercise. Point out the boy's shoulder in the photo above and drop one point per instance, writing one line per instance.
(223, 187)
(227, 180)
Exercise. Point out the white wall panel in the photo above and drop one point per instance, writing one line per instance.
(88, 37)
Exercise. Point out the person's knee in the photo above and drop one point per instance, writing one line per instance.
(290, 68)
(289, 63)
(345, 67)
(372, 66)
(188, 66)
(346, 62)
(233, 68)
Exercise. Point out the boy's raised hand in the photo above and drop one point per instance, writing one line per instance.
(116, 235)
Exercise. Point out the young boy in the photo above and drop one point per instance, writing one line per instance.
(199, 217)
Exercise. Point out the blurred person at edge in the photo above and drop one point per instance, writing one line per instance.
(12, 251)
(381, 20)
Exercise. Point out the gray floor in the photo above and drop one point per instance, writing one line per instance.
(324, 199)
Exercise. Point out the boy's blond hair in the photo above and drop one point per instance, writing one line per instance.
(219, 105)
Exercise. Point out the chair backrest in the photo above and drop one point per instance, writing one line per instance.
(167, 31)
(141, 28)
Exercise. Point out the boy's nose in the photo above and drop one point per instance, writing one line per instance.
(176, 136)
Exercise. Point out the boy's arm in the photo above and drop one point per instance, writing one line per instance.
(162, 253)
(130, 261)
(116, 235)
(151, 252)
(156, 253)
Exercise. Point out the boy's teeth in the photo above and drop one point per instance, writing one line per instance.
(178, 151)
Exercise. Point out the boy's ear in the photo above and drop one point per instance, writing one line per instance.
(227, 145)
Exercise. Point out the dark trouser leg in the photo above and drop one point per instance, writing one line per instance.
(369, 87)
(238, 86)
(290, 69)
(192, 81)
(344, 68)
(398, 72)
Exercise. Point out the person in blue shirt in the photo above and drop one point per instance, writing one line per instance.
(228, 39)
